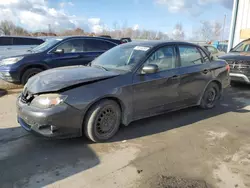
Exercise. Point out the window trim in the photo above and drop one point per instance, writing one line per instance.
(203, 61)
(174, 46)
(67, 40)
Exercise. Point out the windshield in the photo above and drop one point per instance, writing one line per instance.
(242, 47)
(122, 57)
(46, 45)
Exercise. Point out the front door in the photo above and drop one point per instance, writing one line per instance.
(73, 54)
(157, 92)
(195, 73)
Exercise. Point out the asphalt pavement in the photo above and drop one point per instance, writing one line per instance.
(188, 148)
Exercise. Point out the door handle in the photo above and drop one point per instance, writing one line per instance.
(175, 77)
(205, 71)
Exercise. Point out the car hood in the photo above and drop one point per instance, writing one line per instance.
(54, 80)
(236, 56)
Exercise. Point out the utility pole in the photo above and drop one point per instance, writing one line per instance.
(223, 28)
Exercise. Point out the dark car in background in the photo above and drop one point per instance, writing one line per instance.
(14, 45)
(239, 61)
(129, 82)
(55, 52)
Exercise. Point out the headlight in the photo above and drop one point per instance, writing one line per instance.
(9, 61)
(48, 100)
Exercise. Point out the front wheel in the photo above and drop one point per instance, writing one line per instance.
(102, 121)
(210, 96)
(28, 74)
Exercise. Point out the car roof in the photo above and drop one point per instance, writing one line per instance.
(25, 37)
(155, 43)
(83, 37)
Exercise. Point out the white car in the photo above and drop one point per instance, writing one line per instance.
(15, 45)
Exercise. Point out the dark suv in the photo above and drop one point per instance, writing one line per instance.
(55, 52)
(239, 61)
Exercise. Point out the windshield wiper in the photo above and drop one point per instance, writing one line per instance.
(99, 66)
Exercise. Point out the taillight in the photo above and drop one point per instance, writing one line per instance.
(228, 68)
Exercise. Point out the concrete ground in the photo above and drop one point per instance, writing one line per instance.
(6, 85)
(188, 148)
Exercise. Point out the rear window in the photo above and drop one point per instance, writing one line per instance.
(5, 41)
(27, 41)
(189, 55)
(93, 45)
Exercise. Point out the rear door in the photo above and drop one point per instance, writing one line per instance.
(195, 73)
(157, 92)
(95, 47)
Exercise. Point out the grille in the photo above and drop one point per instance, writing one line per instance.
(240, 64)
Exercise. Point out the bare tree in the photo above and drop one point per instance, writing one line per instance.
(20, 31)
(206, 31)
(210, 30)
(178, 33)
(6, 27)
(162, 36)
(217, 30)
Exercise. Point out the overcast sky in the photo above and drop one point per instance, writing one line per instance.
(94, 15)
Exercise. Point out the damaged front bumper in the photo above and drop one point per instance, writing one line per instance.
(62, 121)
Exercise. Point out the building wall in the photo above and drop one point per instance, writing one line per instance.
(242, 20)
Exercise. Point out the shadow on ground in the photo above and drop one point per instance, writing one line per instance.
(235, 99)
(31, 161)
(2, 92)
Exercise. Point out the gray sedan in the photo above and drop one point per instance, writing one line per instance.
(129, 82)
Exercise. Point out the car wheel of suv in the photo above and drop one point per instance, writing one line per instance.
(210, 96)
(29, 73)
(102, 121)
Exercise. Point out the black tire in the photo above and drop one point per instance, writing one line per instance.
(102, 121)
(29, 73)
(234, 84)
(211, 96)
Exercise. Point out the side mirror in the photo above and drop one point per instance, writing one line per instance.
(212, 58)
(59, 51)
(150, 69)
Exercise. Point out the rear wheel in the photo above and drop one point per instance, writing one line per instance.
(29, 73)
(210, 96)
(102, 121)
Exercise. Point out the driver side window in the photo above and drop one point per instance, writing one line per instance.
(164, 58)
(72, 46)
